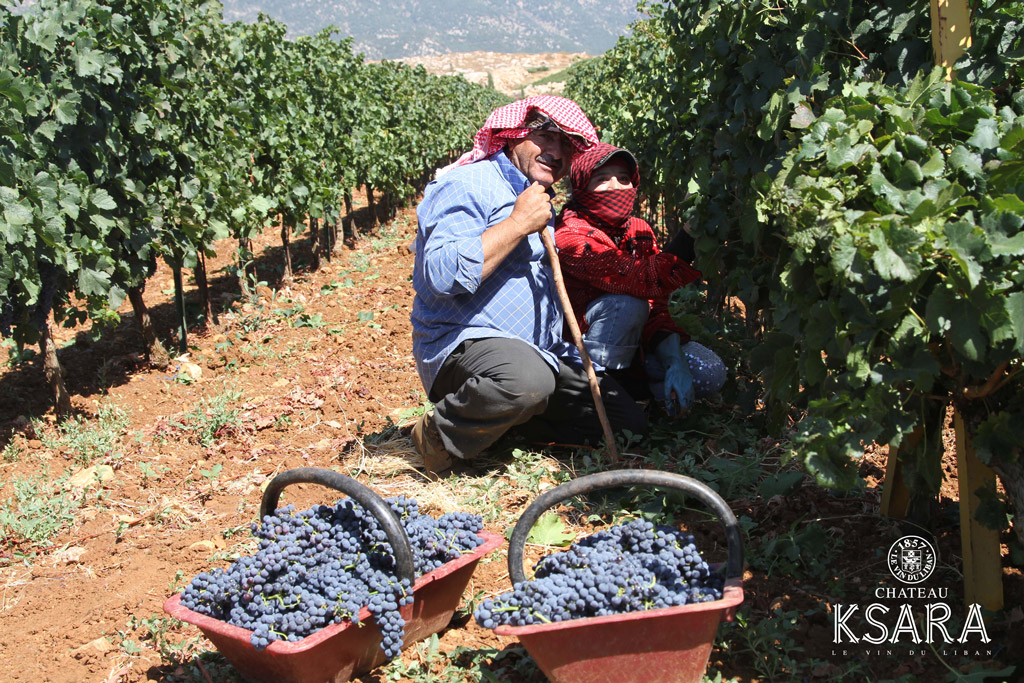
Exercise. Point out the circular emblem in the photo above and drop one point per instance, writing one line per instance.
(912, 559)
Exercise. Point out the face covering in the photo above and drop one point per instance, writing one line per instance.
(608, 209)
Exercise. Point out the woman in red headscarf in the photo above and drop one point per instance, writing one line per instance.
(619, 281)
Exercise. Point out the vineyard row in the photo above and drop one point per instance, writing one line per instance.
(144, 129)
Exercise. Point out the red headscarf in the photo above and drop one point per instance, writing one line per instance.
(608, 209)
(508, 122)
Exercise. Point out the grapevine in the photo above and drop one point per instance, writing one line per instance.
(152, 128)
(867, 215)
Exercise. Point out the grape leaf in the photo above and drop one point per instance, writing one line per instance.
(1015, 311)
(550, 530)
(93, 282)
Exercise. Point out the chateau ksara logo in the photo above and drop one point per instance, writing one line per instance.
(912, 559)
(911, 615)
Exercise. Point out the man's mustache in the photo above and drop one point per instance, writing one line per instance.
(549, 160)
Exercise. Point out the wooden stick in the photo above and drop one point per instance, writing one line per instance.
(577, 337)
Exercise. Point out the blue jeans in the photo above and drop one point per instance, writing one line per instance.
(616, 324)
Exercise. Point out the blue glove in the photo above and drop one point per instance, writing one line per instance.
(678, 380)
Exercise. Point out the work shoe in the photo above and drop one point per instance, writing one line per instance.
(427, 441)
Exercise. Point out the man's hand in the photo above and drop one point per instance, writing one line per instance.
(530, 214)
(532, 210)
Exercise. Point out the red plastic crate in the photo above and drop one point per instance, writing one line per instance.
(341, 651)
(670, 645)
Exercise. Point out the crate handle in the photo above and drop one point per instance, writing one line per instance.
(405, 568)
(616, 478)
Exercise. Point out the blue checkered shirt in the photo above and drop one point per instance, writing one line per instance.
(518, 300)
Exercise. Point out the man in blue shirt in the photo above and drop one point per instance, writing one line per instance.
(487, 327)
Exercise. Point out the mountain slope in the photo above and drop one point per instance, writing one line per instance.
(403, 28)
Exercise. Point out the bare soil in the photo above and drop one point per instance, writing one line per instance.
(319, 373)
(516, 75)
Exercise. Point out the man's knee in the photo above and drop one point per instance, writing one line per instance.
(508, 375)
(528, 390)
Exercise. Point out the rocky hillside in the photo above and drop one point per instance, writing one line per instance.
(516, 75)
(403, 28)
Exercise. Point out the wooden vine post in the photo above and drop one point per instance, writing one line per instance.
(951, 32)
(979, 545)
(179, 306)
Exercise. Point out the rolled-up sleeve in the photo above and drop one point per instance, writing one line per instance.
(453, 254)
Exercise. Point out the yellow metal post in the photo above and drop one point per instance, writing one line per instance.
(983, 572)
(951, 32)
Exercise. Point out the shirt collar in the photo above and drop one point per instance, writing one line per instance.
(516, 178)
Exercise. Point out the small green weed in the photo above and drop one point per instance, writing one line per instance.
(805, 550)
(149, 472)
(38, 510)
(87, 440)
(422, 668)
(235, 530)
(426, 663)
(293, 310)
(203, 668)
(528, 468)
(360, 263)
(415, 411)
(482, 496)
(492, 665)
(212, 473)
(335, 285)
(734, 477)
(252, 322)
(262, 350)
(315, 321)
(159, 632)
(367, 317)
(769, 644)
(11, 452)
(469, 605)
(213, 418)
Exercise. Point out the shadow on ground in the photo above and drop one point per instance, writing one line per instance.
(94, 363)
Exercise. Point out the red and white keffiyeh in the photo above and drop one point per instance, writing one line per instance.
(507, 123)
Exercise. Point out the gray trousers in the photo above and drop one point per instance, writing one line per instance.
(488, 386)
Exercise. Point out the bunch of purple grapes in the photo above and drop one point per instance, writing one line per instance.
(627, 568)
(321, 566)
